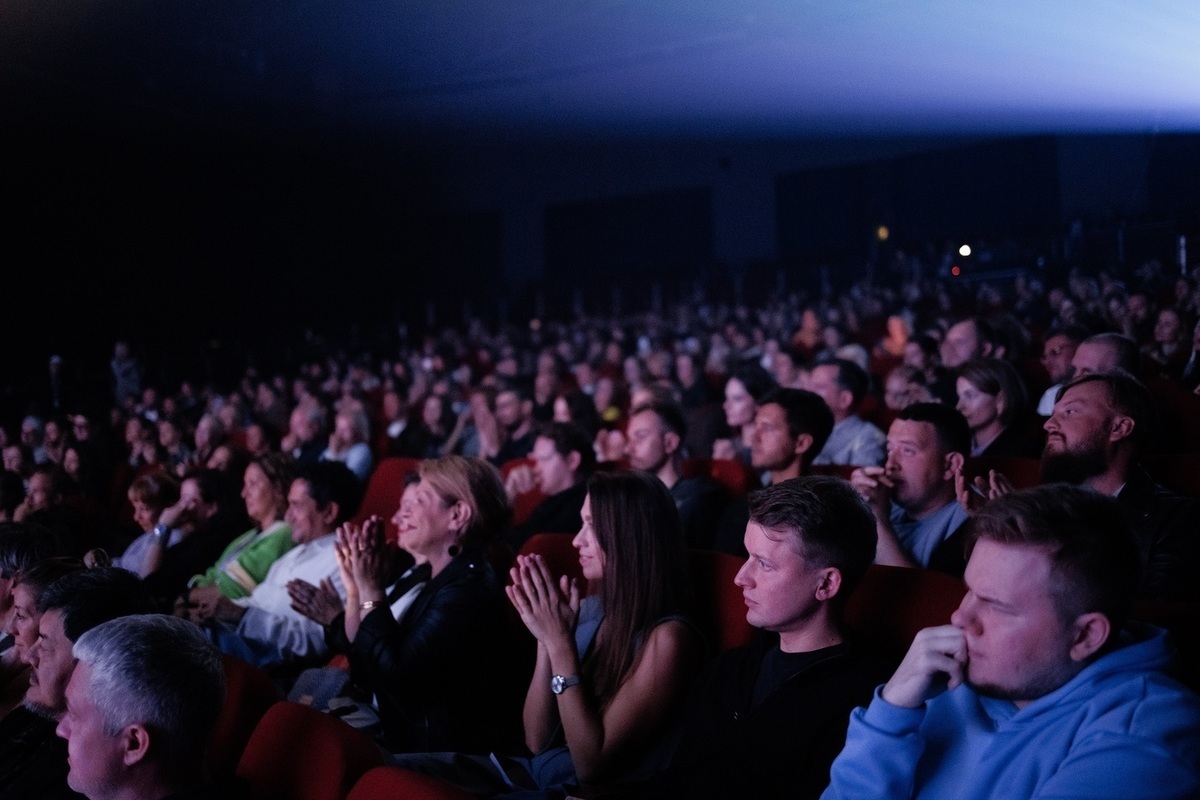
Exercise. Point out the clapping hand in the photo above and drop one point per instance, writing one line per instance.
(321, 603)
(548, 609)
(363, 556)
(206, 603)
(974, 495)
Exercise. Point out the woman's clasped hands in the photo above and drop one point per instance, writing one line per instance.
(548, 608)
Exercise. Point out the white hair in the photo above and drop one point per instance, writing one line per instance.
(158, 671)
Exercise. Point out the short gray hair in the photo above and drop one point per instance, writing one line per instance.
(158, 671)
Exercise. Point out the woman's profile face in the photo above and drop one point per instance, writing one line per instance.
(979, 407)
(263, 499)
(591, 557)
(23, 624)
(424, 523)
(739, 405)
(402, 519)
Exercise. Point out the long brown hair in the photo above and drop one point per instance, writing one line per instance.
(645, 579)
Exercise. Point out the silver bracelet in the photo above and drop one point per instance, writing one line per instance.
(367, 605)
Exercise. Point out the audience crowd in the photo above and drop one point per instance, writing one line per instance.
(1039, 442)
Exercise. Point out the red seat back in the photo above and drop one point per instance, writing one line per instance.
(248, 695)
(384, 488)
(298, 753)
(559, 553)
(719, 602)
(891, 604)
(736, 477)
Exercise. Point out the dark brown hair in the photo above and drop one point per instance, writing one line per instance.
(998, 378)
(637, 528)
(826, 522)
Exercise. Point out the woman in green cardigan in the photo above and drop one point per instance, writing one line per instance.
(248, 557)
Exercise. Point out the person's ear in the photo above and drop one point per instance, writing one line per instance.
(460, 515)
(135, 743)
(1121, 428)
(830, 584)
(954, 462)
(804, 443)
(1091, 632)
(573, 459)
(329, 514)
(671, 442)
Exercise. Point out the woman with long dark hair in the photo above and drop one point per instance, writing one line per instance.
(611, 668)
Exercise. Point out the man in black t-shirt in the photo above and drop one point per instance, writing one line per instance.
(766, 720)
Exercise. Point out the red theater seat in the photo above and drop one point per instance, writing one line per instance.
(297, 753)
(384, 488)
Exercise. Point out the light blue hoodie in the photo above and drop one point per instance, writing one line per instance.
(1118, 729)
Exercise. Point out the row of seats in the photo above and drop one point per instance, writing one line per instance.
(286, 751)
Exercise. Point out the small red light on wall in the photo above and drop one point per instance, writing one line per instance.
(955, 271)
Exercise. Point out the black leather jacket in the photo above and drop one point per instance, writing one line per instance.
(446, 677)
(1167, 528)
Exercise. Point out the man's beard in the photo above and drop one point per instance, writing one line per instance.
(1073, 466)
(43, 711)
(1034, 687)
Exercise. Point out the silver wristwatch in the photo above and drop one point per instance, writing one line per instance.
(559, 684)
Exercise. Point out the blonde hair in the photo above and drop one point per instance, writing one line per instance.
(474, 482)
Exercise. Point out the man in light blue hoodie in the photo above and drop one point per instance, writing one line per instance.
(1035, 689)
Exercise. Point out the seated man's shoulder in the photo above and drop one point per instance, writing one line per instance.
(1133, 692)
(854, 666)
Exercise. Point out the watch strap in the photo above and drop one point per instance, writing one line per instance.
(560, 683)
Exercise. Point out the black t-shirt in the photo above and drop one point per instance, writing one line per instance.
(777, 666)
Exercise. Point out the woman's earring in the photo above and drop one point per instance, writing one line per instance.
(453, 550)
